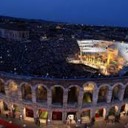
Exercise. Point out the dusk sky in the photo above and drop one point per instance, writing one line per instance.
(95, 12)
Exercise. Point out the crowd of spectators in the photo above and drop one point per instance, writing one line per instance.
(49, 45)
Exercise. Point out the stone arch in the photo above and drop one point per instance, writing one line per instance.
(42, 114)
(15, 110)
(28, 112)
(73, 86)
(100, 112)
(116, 91)
(26, 91)
(41, 93)
(57, 94)
(45, 86)
(113, 110)
(85, 115)
(73, 94)
(2, 88)
(103, 93)
(58, 86)
(120, 84)
(102, 85)
(12, 88)
(92, 83)
(124, 110)
(57, 115)
(4, 106)
(88, 91)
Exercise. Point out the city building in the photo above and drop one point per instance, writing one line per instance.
(13, 32)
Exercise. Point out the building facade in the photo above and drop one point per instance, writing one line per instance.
(53, 100)
(16, 35)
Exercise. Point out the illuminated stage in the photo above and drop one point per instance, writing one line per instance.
(107, 56)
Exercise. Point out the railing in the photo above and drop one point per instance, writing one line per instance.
(27, 101)
(56, 105)
(72, 105)
(115, 101)
(102, 103)
(84, 105)
(29, 77)
(42, 103)
(101, 100)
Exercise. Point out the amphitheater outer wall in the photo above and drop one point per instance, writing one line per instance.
(65, 108)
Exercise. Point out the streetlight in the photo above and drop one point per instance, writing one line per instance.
(10, 122)
(49, 121)
(24, 125)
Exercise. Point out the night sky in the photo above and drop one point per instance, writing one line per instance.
(95, 12)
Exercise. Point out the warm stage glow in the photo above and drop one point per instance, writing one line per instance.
(89, 87)
(103, 55)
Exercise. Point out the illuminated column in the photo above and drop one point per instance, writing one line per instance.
(7, 91)
(64, 116)
(35, 111)
(109, 95)
(107, 110)
(65, 98)
(92, 113)
(78, 114)
(9, 106)
(126, 108)
(121, 94)
(104, 113)
(80, 98)
(19, 93)
(22, 112)
(49, 98)
(118, 109)
(33, 95)
(95, 96)
(49, 116)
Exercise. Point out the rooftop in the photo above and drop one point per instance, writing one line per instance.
(48, 57)
(13, 26)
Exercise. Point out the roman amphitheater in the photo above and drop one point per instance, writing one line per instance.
(57, 99)
(54, 100)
